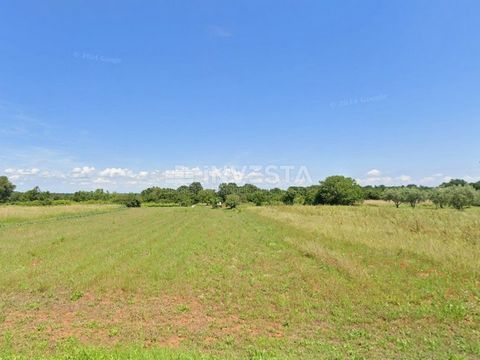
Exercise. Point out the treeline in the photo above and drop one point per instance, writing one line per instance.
(36, 196)
(334, 190)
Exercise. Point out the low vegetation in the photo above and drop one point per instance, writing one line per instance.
(371, 281)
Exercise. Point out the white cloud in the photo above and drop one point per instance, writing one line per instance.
(21, 174)
(405, 178)
(374, 177)
(101, 180)
(429, 180)
(124, 179)
(374, 173)
(116, 172)
(377, 180)
(82, 171)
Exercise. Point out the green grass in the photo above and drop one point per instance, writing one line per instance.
(12, 215)
(271, 282)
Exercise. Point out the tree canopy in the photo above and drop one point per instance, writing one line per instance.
(339, 190)
(6, 188)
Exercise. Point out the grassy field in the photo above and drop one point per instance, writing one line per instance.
(16, 215)
(370, 282)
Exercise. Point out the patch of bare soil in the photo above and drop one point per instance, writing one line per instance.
(119, 318)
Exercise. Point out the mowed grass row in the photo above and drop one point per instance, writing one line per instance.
(323, 282)
(18, 215)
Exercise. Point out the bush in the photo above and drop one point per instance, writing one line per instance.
(232, 201)
(185, 200)
(299, 200)
(259, 197)
(339, 190)
(476, 201)
(207, 196)
(289, 197)
(133, 203)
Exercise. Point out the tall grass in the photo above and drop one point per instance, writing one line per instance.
(444, 235)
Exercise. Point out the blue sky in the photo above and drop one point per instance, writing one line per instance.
(126, 94)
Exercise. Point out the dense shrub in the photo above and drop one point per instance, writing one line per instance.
(36, 195)
(299, 200)
(232, 201)
(207, 196)
(133, 203)
(259, 197)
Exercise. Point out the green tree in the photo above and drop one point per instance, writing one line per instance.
(454, 182)
(215, 202)
(460, 197)
(232, 201)
(276, 195)
(394, 195)
(439, 197)
(207, 196)
(100, 194)
(184, 199)
(246, 192)
(295, 195)
(299, 200)
(311, 194)
(373, 192)
(195, 188)
(37, 195)
(259, 197)
(289, 196)
(339, 190)
(227, 189)
(159, 195)
(476, 185)
(6, 188)
(81, 196)
(185, 196)
(413, 195)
